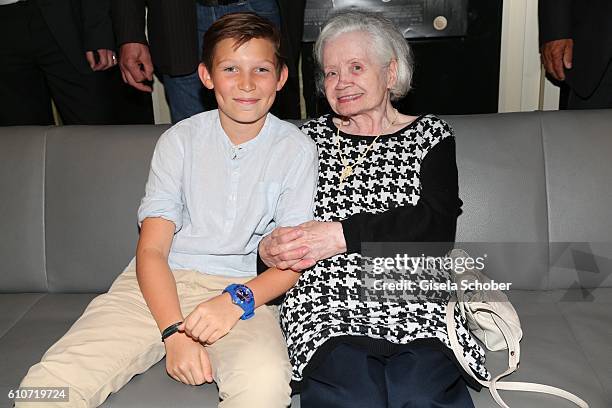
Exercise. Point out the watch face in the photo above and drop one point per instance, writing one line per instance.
(243, 294)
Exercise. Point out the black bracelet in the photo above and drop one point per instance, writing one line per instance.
(170, 330)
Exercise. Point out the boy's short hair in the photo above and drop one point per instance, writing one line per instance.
(241, 27)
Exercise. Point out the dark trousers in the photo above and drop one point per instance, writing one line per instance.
(34, 69)
(287, 104)
(600, 99)
(417, 377)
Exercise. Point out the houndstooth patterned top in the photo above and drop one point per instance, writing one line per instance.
(325, 303)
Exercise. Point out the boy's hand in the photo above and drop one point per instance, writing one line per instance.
(187, 360)
(284, 249)
(212, 319)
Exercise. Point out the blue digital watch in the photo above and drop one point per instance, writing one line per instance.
(242, 296)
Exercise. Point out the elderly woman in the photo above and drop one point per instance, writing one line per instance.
(383, 176)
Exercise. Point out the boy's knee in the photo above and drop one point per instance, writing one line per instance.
(270, 387)
(276, 373)
(264, 383)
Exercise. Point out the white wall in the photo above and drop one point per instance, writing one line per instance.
(523, 86)
(160, 106)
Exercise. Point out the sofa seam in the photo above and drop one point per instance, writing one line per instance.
(44, 209)
(8, 329)
(547, 198)
(580, 347)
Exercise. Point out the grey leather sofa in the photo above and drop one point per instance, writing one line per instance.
(536, 190)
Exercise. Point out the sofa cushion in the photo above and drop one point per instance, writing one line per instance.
(564, 345)
(551, 351)
(591, 325)
(13, 307)
(22, 163)
(95, 180)
(502, 185)
(577, 150)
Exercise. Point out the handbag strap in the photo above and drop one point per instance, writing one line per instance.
(513, 359)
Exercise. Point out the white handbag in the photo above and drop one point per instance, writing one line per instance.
(494, 321)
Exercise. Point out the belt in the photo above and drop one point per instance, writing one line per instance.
(219, 2)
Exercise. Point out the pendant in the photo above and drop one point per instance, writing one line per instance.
(346, 171)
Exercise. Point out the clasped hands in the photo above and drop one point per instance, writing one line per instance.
(299, 248)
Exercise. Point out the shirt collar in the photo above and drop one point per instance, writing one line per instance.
(242, 150)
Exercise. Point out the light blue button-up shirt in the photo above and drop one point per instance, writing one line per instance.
(224, 198)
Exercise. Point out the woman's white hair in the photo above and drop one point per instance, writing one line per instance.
(387, 42)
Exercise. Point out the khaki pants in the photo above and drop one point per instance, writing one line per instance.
(117, 338)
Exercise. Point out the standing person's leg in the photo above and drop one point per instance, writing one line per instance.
(80, 98)
(601, 98)
(264, 8)
(312, 97)
(185, 93)
(422, 376)
(287, 103)
(349, 377)
(130, 106)
(25, 99)
(250, 364)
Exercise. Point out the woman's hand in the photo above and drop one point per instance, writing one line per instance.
(323, 239)
(187, 360)
(283, 249)
(212, 319)
(299, 248)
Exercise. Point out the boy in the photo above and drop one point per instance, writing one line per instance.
(219, 181)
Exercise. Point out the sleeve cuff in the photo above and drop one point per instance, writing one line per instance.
(352, 235)
(168, 215)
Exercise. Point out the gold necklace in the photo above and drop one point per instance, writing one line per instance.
(347, 169)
